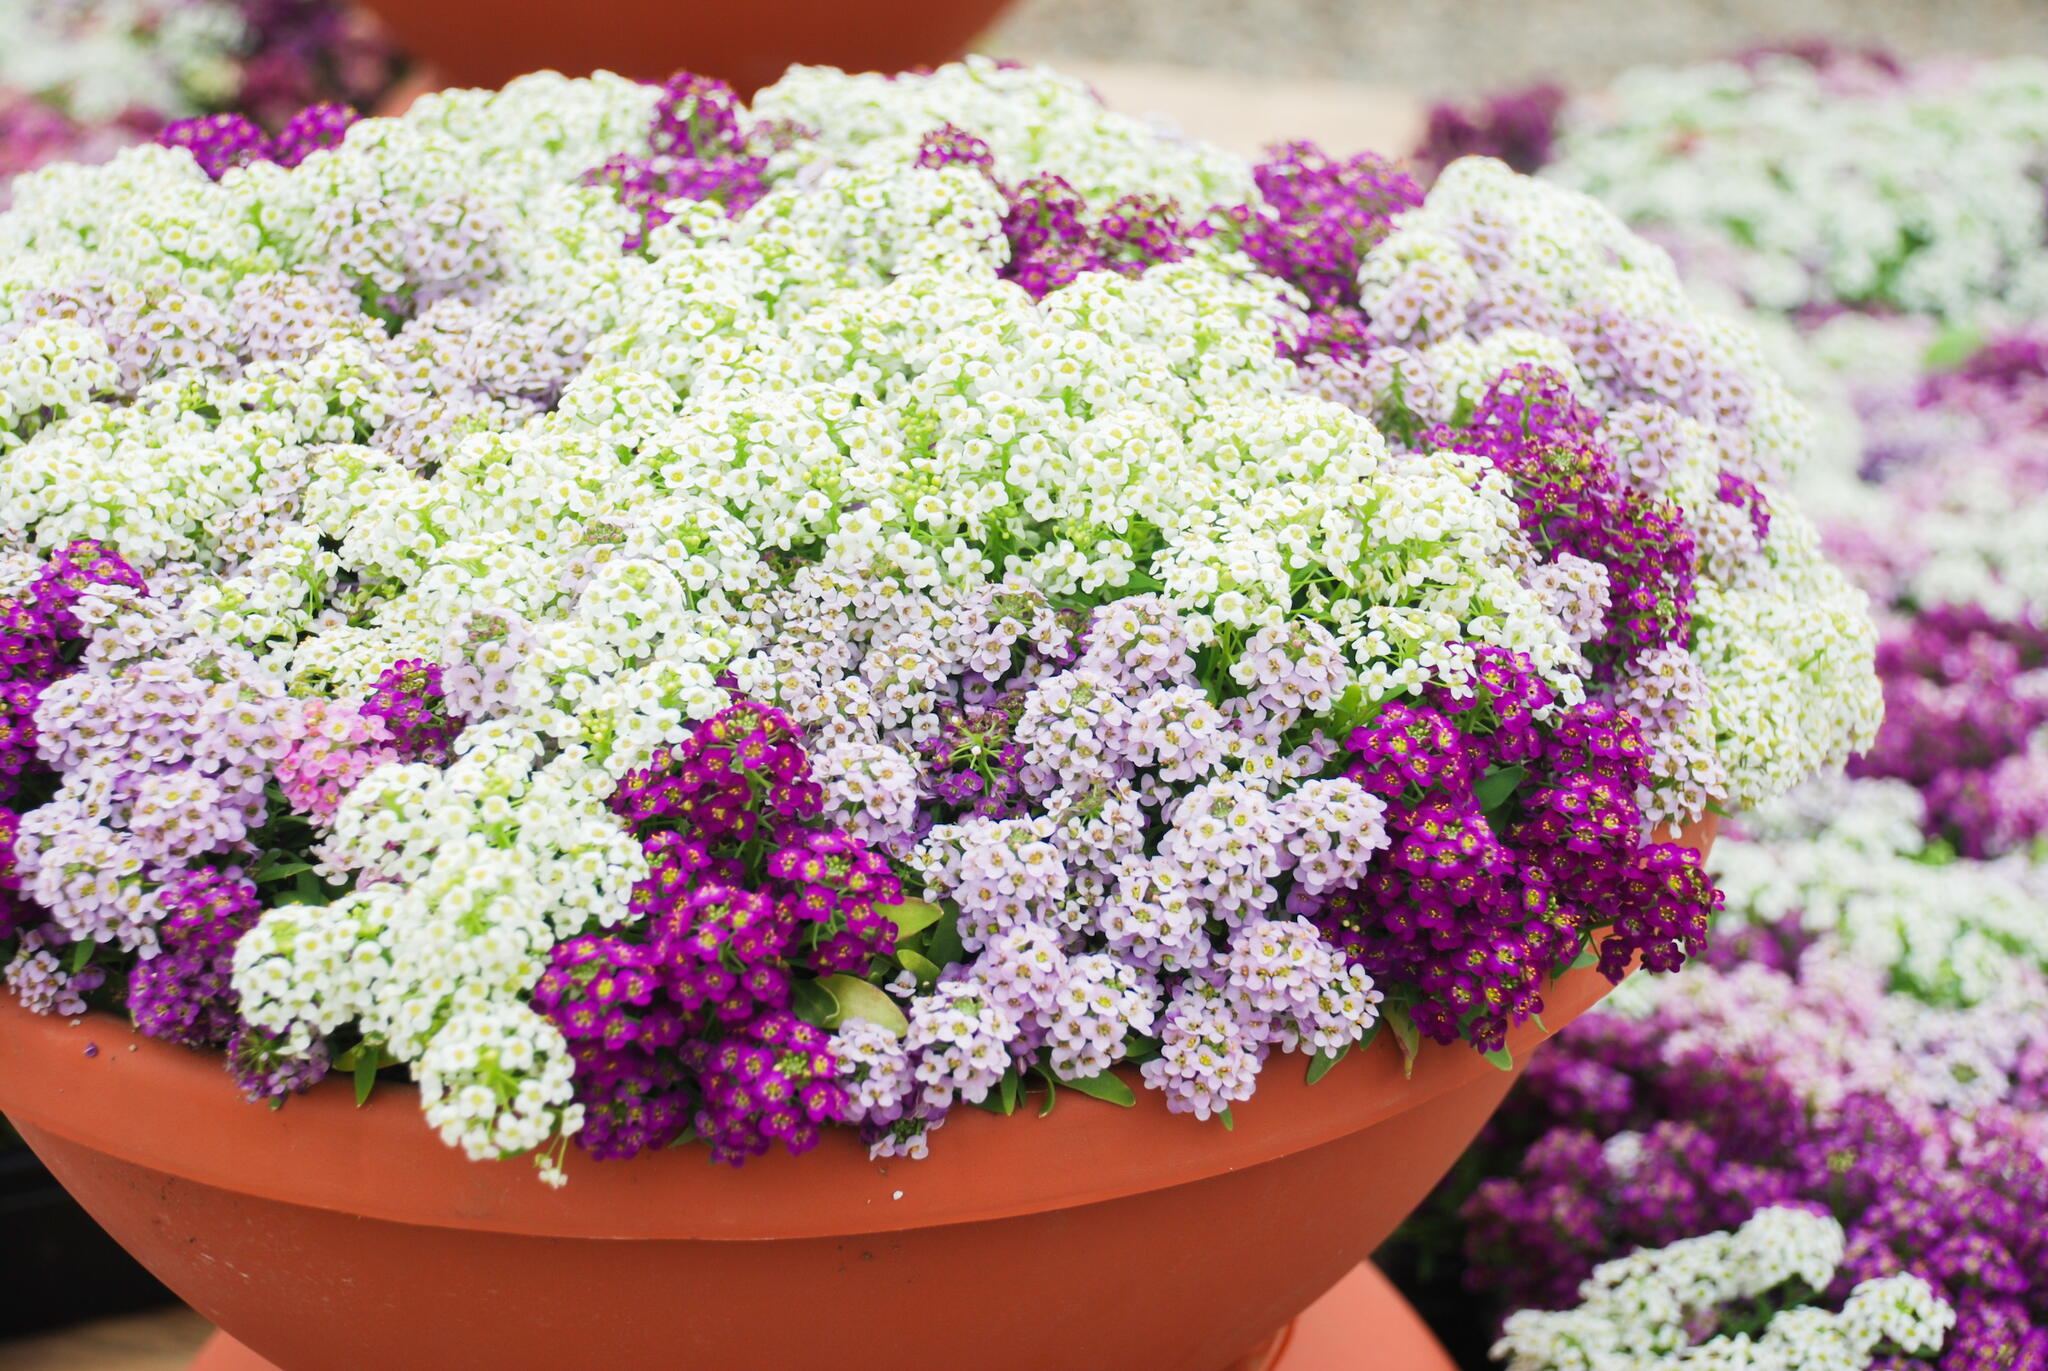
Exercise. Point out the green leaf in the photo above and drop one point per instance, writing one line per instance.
(1139, 1048)
(1496, 785)
(812, 1003)
(1353, 710)
(854, 998)
(945, 948)
(1106, 1085)
(278, 871)
(1052, 1089)
(1500, 1057)
(912, 916)
(1008, 1087)
(1953, 347)
(81, 953)
(366, 1077)
(920, 966)
(1319, 1065)
(1229, 1119)
(1537, 1019)
(1585, 959)
(1406, 1034)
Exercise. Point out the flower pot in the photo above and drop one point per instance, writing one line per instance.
(488, 42)
(1362, 1310)
(330, 1238)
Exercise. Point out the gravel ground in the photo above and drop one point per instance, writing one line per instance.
(1466, 46)
(1247, 113)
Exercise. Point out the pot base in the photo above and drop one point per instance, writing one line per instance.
(1362, 1311)
(1363, 1324)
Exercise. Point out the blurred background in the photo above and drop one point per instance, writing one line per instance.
(1464, 47)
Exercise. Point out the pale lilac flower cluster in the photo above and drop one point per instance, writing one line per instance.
(165, 753)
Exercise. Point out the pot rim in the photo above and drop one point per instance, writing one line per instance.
(91, 1080)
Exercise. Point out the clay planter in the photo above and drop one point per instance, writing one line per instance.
(331, 1238)
(1363, 1310)
(488, 42)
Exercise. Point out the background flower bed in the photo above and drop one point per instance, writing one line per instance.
(1906, 904)
(80, 79)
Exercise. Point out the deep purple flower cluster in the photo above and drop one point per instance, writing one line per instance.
(700, 152)
(182, 994)
(775, 1080)
(38, 631)
(689, 1022)
(1320, 217)
(1519, 127)
(316, 128)
(1705, 1139)
(1574, 499)
(949, 145)
(1053, 238)
(73, 569)
(220, 142)
(973, 762)
(266, 1072)
(1964, 693)
(1508, 847)
(413, 707)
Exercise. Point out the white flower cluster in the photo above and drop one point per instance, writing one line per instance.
(468, 875)
(1641, 1312)
(1033, 120)
(1919, 189)
(1850, 859)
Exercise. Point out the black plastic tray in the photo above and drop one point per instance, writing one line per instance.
(56, 1265)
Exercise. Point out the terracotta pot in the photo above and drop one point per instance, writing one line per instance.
(488, 42)
(1363, 1310)
(331, 1238)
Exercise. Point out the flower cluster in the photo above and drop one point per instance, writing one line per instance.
(699, 150)
(1639, 1312)
(220, 142)
(1315, 220)
(741, 889)
(1488, 887)
(1519, 127)
(670, 620)
(1852, 860)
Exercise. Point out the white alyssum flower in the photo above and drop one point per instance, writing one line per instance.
(1637, 1313)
